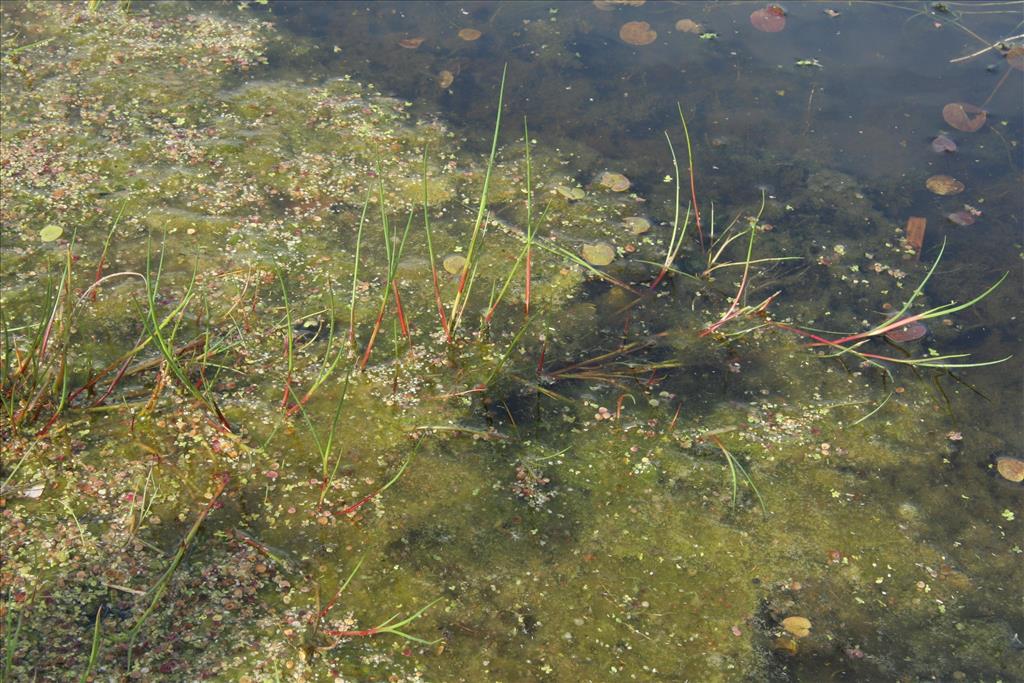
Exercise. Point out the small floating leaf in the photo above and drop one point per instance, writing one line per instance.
(798, 626)
(1011, 469)
(944, 185)
(963, 218)
(963, 116)
(51, 233)
(411, 43)
(445, 79)
(470, 34)
(454, 263)
(599, 254)
(616, 182)
(943, 143)
(907, 333)
(637, 33)
(688, 26)
(770, 19)
(571, 193)
(637, 225)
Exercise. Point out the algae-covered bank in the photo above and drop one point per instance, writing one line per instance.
(511, 341)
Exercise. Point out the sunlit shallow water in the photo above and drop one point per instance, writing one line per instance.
(626, 483)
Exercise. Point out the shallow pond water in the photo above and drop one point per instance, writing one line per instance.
(314, 368)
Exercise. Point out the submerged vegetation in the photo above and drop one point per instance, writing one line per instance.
(300, 389)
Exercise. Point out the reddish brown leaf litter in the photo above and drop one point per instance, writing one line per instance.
(915, 233)
(410, 43)
(1015, 57)
(770, 19)
(943, 143)
(907, 333)
(963, 116)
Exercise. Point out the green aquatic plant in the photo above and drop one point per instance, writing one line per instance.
(393, 625)
(159, 589)
(736, 470)
(165, 343)
(469, 268)
(851, 343)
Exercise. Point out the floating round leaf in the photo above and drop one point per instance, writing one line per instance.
(963, 116)
(637, 33)
(599, 254)
(798, 626)
(470, 34)
(907, 333)
(454, 263)
(637, 225)
(770, 19)
(688, 26)
(572, 193)
(445, 79)
(963, 218)
(616, 182)
(944, 185)
(943, 143)
(1011, 469)
(51, 233)
(411, 43)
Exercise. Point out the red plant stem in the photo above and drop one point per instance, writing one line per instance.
(476, 389)
(661, 276)
(440, 306)
(618, 406)
(872, 333)
(110, 389)
(696, 209)
(675, 418)
(373, 336)
(401, 312)
(540, 363)
(366, 499)
(49, 423)
(351, 634)
(526, 304)
(99, 274)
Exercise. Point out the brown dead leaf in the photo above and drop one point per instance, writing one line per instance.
(411, 43)
(470, 34)
(963, 116)
(637, 33)
(688, 26)
(944, 185)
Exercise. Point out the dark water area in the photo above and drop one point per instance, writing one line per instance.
(781, 439)
(869, 109)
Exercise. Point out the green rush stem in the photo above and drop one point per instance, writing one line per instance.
(355, 274)
(693, 187)
(469, 267)
(430, 250)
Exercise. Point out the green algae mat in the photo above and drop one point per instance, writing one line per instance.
(309, 379)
